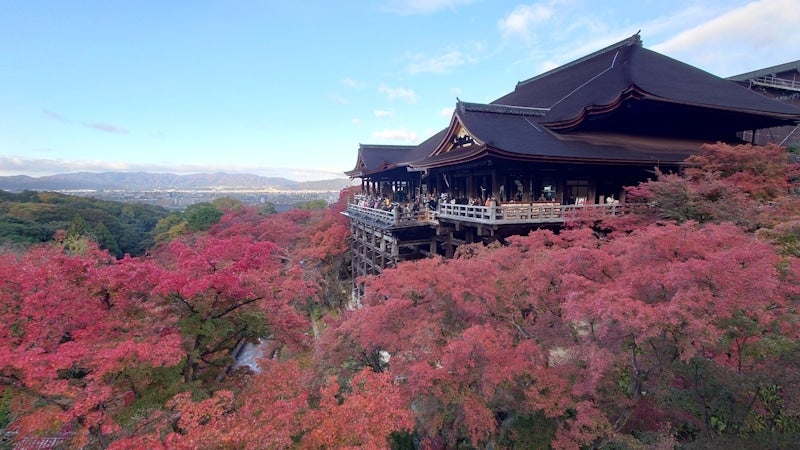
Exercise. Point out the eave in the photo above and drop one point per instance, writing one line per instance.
(384, 167)
(449, 159)
(633, 93)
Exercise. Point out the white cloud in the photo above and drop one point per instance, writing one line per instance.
(13, 165)
(440, 64)
(355, 121)
(409, 7)
(725, 44)
(547, 65)
(351, 83)
(106, 127)
(100, 126)
(520, 22)
(338, 99)
(54, 115)
(382, 113)
(393, 93)
(447, 112)
(43, 166)
(719, 37)
(395, 135)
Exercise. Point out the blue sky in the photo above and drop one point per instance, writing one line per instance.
(291, 88)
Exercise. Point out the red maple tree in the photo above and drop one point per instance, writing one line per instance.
(74, 328)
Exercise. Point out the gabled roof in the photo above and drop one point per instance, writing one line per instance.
(623, 104)
(506, 131)
(606, 77)
(774, 70)
(378, 158)
(374, 158)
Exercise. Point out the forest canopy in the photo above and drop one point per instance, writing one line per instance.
(34, 217)
(675, 326)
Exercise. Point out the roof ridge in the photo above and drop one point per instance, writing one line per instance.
(785, 67)
(501, 109)
(633, 40)
(387, 146)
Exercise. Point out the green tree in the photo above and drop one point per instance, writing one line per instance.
(227, 203)
(106, 240)
(31, 217)
(313, 205)
(200, 216)
(79, 227)
(269, 208)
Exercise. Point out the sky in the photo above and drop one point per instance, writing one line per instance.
(280, 88)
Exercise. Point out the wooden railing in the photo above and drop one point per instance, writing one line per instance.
(395, 217)
(524, 213)
(512, 213)
(773, 81)
(369, 213)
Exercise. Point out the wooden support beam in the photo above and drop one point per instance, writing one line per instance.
(443, 230)
(449, 249)
(415, 242)
(469, 235)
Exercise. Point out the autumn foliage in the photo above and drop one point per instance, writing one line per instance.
(673, 326)
(76, 331)
(744, 184)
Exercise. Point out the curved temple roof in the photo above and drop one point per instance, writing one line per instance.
(603, 77)
(377, 158)
(623, 104)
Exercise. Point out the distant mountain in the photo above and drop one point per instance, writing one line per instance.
(142, 181)
(336, 184)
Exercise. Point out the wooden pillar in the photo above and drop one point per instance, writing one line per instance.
(367, 256)
(450, 249)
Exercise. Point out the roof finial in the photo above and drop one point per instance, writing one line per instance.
(637, 39)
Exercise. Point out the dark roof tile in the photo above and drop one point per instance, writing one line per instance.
(540, 118)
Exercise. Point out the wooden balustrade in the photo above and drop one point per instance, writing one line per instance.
(507, 214)
(521, 213)
(369, 213)
(394, 217)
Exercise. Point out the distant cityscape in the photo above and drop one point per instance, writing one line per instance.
(176, 192)
(178, 199)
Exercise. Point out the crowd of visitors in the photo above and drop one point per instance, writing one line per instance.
(387, 204)
(376, 202)
(429, 201)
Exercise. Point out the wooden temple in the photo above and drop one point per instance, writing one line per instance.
(781, 82)
(568, 139)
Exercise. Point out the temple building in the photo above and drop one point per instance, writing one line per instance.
(568, 139)
(781, 82)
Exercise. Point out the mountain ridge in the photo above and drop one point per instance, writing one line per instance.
(142, 181)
